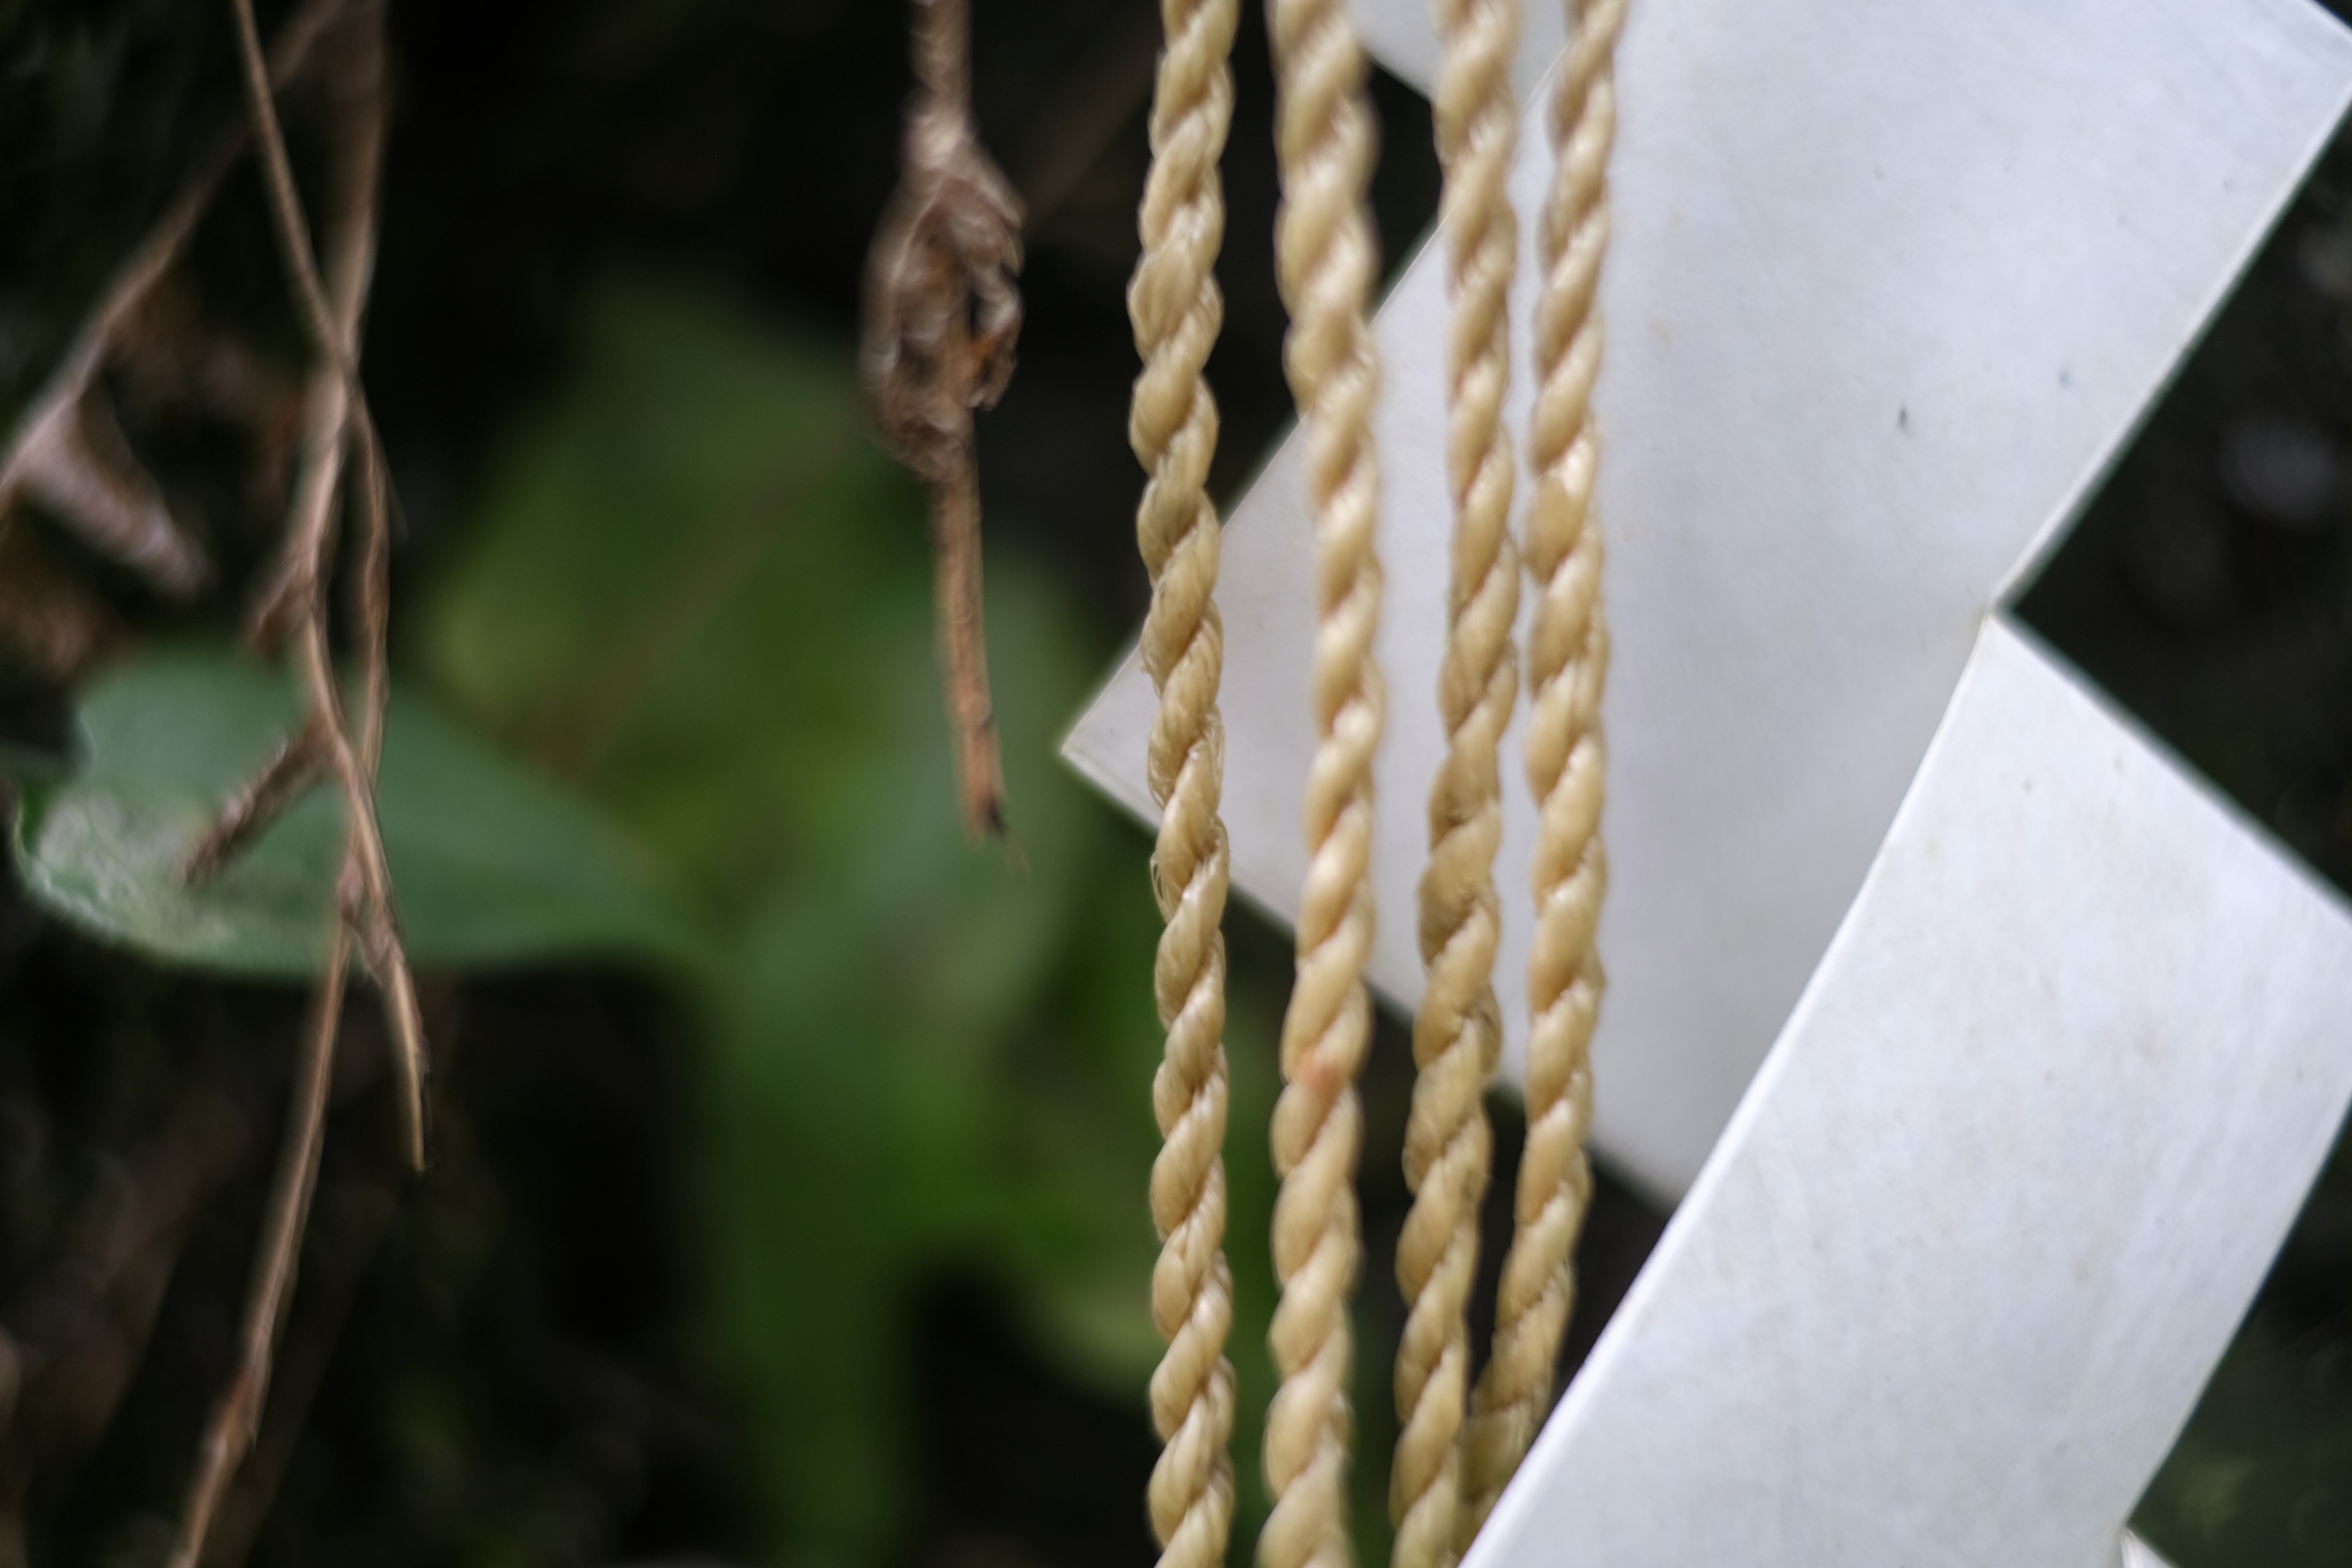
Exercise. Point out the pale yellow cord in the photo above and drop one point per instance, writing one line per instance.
(1568, 659)
(1176, 308)
(1457, 1035)
(1326, 261)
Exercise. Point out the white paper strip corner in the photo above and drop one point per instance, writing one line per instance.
(1949, 1287)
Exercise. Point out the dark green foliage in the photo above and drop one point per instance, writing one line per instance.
(2263, 1475)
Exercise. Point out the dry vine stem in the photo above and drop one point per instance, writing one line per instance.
(1567, 660)
(336, 421)
(1176, 307)
(67, 454)
(1457, 1038)
(294, 608)
(237, 1415)
(1326, 259)
(942, 312)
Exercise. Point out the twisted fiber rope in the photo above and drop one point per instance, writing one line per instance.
(1325, 259)
(1176, 308)
(1567, 660)
(1458, 1034)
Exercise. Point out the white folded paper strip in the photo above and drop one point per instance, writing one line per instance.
(1890, 283)
(1975, 1236)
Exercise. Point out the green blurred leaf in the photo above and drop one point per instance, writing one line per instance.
(680, 583)
(697, 584)
(491, 864)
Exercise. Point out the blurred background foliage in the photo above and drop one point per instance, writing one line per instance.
(790, 1200)
(918, 1057)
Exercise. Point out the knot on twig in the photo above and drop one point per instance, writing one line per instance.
(943, 300)
(943, 310)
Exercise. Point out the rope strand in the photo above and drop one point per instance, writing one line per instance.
(1326, 261)
(1457, 1035)
(1176, 308)
(1568, 659)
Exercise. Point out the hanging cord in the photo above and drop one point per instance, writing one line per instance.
(1326, 259)
(1567, 660)
(1457, 1038)
(942, 310)
(1176, 308)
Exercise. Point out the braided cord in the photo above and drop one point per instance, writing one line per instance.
(1458, 1033)
(1567, 660)
(1326, 259)
(1176, 308)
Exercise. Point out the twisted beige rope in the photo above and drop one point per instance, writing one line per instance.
(1568, 658)
(1176, 307)
(1325, 259)
(1458, 1034)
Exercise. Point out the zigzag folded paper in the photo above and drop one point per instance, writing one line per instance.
(1890, 284)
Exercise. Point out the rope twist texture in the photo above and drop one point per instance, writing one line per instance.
(1326, 259)
(1568, 659)
(1176, 308)
(1458, 1034)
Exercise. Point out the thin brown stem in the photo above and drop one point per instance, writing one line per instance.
(335, 341)
(370, 914)
(284, 779)
(354, 1219)
(335, 1279)
(942, 312)
(963, 652)
(284, 203)
(238, 1415)
(364, 916)
(372, 609)
(339, 413)
(47, 457)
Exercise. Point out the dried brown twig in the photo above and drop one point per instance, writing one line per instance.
(942, 312)
(356, 1216)
(285, 778)
(294, 608)
(346, 1225)
(66, 453)
(336, 421)
(238, 1415)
